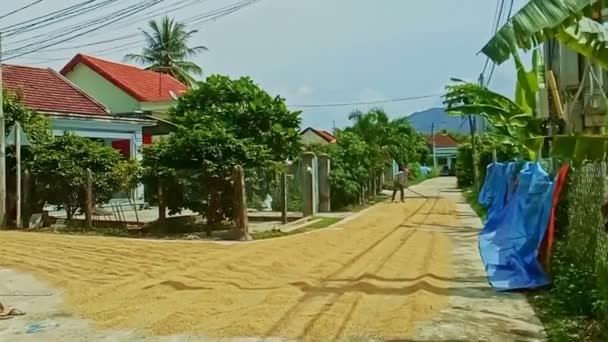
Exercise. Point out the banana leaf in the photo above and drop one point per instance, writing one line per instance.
(534, 23)
(526, 86)
(589, 38)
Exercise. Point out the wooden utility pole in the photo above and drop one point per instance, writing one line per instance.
(240, 204)
(434, 150)
(284, 197)
(26, 197)
(88, 210)
(18, 221)
(2, 149)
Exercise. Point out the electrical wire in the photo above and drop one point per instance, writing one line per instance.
(485, 66)
(125, 13)
(20, 9)
(45, 39)
(46, 17)
(64, 17)
(402, 99)
(196, 20)
(507, 19)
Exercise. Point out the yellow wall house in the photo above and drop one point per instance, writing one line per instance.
(125, 89)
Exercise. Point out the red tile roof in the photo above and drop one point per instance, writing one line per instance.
(442, 140)
(45, 90)
(325, 135)
(143, 85)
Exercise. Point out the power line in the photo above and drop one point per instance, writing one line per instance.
(54, 20)
(46, 17)
(402, 99)
(60, 33)
(197, 20)
(485, 66)
(125, 13)
(21, 9)
(497, 26)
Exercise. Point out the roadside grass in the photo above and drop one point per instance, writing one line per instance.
(471, 195)
(561, 327)
(320, 224)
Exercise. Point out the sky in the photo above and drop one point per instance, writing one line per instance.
(308, 51)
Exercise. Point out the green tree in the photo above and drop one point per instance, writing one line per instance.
(388, 139)
(245, 110)
(222, 123)
(167, 50)
(351, 163)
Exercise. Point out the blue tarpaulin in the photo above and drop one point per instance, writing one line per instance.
(493, 192)
(509, 242)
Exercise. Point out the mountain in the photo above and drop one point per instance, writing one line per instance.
(423, 121)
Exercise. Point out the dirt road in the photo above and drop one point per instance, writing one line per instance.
(376, 276)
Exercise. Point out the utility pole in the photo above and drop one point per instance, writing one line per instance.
(2, 149)
(434, 151)
(18, 174)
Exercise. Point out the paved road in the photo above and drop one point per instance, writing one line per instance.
(398, 271)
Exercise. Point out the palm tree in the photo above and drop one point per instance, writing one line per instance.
(167, 50)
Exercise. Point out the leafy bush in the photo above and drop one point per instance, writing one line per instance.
(434, 172)
(485, 146)
(58, 168)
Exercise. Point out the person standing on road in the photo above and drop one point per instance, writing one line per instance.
(400, 182)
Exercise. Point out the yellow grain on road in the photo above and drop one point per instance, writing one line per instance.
(375, 276)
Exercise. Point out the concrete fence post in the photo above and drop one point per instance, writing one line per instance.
(324, 186)
(88, 210)
(308, 183)
(284, 195)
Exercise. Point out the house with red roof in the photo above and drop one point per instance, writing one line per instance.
(444, 148)
(69, 108)
(312, 136)
(121, 87)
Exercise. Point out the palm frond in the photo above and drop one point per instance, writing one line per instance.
(167, 50)
(137, 58)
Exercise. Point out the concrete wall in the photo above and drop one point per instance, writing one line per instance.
(102, 90)
(158, 107)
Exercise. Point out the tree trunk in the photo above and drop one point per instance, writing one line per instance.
(162, 209)
(239, 207)
(213, 212)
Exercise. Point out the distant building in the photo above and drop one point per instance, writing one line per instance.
(446, 149)
(312, 136)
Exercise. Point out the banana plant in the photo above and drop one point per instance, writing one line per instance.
(512, 123)
(540, 20)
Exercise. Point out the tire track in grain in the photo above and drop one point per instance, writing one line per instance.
(308, 295)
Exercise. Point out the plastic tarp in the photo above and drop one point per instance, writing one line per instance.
(510, 240)
(493, 192)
